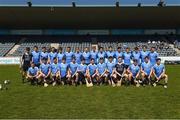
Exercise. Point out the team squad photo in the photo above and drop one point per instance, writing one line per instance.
(139, 67)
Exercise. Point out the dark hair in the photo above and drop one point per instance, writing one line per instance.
(119, 48)
(110, 57)
(43, 47)
(92, 59)
(101, 58)
(27, 48)
(36, 46)
(136, 48)
(110, 46)
(60, 48)
(135, 60)
(146, 57)
(54, 58)
(158, 59)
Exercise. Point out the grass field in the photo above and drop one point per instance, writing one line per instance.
(25, 101)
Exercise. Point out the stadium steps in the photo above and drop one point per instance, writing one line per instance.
(13, 50)
(176, 49)
(55, 45)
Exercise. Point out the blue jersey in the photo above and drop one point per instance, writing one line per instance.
(143, 55)
(152, 57)
(146, 67)
(101, 68)
(33, 71)
(52, 55)
(158, 69)
(92, 68)
(110, 53)
(110, 66)
(73, 67)
(60, 56)
(36, 57)
(137, 56)
(127, 58)
(69, 56)
(44, 55)
(101, 55)
(54, 68)
(82, 68)
(45, 68)
(94, 55)
(87, 57)
(63, 69)
(78, 57)
(134, 69)
(118, 54)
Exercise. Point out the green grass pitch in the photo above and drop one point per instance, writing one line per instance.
(25, 101)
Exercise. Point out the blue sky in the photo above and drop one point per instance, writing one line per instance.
(85, 2)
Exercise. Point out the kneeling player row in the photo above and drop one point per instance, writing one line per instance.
(107, 73)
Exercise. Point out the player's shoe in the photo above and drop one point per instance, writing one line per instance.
(165, 86)
(45, 85)
(154, 84)
(119, 83)
(54, 83)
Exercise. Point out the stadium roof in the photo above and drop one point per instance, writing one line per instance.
(89, 17)
(87, 2)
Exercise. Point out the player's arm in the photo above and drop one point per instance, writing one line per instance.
(138, 74)
(48, 73)
(124, 72)
(142, 70)
(162, 74)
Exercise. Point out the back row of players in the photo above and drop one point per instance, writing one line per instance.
(93, 67)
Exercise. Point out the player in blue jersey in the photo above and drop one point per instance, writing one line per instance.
(52, 55)
(32, 74)
(153, 55)
(60, 55)
(146, 71)
(134, 73)
(45, 72)
(136, 55)
(64, 74)
(158, 72)
(93, 54)
(127, 57)
(78, 55)
(81, 72)
(119, 72)
(43, 54)
(92, 72)
(55, 72)
(118, 53)
(110, 68)
(36, 56)
(86, 55)
(101, 53)
(110, 52)
(101, 69)
(69, 55)
(73, 71)
(144, 53)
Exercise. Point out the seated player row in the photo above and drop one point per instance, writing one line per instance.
(110, 73)
(127, 55)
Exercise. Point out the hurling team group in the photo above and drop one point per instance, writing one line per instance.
(139, 67)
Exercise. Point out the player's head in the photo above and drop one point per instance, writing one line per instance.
(94, 48)
(86, 49)
(110, 58)
(64, 60)
(136, 49)
(83, 61)
(146, 59)
(60, 49)
(119, 49)
(110, 48)
(92, 60)
(53, 49)
(153, 49)
(32, 64)
(68, 49)
(101, 60)
(101, 49)
(120, 59)
(77, 49)
(44, 60)
(43, 49)
(135, 61)
(158, 61)
(127, 49)
(35, 48)
(73, 59)
(55, 60)
(27, 49)
(144, 48)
